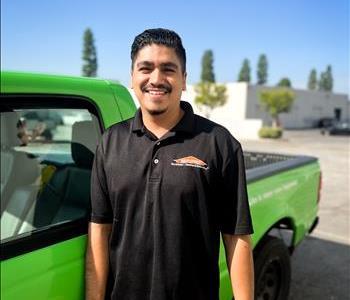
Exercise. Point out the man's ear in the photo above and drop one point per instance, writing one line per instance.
(184, 81)
(130, 83)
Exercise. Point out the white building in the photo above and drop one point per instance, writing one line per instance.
(244, 116)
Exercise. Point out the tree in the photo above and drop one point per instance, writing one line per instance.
(89, 55)
(209, 96)
(322, 82)
(326, 80)
(244, 74)
(277, 101)
(284, 82)
(312, 82)
(262, 69)
(329, 79)
(207, 67)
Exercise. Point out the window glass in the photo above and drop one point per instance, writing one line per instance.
(46, 161)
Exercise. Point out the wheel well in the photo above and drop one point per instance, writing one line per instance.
(284, 230)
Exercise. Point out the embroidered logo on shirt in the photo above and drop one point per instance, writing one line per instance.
(190, 161)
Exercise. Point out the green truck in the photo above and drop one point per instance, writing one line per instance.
(50, 126)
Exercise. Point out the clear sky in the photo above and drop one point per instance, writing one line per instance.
(296, 35)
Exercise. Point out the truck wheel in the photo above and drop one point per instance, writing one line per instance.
(272, 270)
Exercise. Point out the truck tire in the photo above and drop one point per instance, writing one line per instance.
(272, 270)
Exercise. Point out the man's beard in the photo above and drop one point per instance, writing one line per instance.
(166, 87)
(157, 112)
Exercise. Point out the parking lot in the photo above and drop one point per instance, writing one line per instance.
(321, 264)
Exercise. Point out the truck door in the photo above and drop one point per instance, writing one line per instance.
(47, 150)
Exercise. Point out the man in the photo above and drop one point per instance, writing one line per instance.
(164, 185)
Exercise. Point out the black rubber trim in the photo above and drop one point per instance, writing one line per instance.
(314, 224)
(43, 237)
(290, 163)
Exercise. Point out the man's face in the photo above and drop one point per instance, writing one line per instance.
(158, 79)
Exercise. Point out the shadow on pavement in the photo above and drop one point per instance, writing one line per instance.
(320, 270)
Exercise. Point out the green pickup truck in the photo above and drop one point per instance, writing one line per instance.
(50, 126)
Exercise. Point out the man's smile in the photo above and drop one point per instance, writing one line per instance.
(156, 91)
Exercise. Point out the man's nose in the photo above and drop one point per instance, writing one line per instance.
(156, 77)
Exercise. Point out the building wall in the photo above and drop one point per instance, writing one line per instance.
(232, 114)
(308, 107)
(235, 107)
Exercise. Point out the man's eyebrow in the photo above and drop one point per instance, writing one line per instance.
(163, 65)
(144, 64)
(169, 64)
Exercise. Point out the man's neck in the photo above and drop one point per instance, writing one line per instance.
(159, 125)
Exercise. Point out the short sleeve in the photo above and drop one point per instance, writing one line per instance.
(101, 209)
(234, 213)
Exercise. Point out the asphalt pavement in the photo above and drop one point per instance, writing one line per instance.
(321, 263)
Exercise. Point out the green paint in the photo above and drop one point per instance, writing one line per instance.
(55, 272)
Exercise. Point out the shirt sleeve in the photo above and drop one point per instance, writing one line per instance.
(234, 213)
(101, 209)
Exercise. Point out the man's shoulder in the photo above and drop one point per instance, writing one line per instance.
(116, 132)
(120, 127)
(215, 130)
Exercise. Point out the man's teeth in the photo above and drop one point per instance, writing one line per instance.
(157, 92)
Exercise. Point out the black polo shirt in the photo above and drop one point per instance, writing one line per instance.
(168, 200)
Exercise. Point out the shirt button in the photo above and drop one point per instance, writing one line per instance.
(156, 161)
(158, 143)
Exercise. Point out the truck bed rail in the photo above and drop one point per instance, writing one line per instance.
(260, 165)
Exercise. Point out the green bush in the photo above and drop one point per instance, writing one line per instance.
(270, 132)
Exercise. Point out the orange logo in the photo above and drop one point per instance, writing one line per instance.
(190, 161)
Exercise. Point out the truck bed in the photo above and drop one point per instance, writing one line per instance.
(260, 165)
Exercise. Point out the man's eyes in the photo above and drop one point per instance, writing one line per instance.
(144, 69)
(149, 69)
(169, 70)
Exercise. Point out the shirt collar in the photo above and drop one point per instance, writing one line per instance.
(137, 124)
(186, 124)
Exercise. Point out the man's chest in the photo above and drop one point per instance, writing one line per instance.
(182, 171)
(173, 163)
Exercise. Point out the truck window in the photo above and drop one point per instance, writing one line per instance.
(46, 161)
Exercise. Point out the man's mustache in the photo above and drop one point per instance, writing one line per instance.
(164, 87)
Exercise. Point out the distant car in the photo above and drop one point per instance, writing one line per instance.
(326, 122)
(340, 128)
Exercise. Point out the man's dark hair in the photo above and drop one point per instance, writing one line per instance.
(159, 36)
